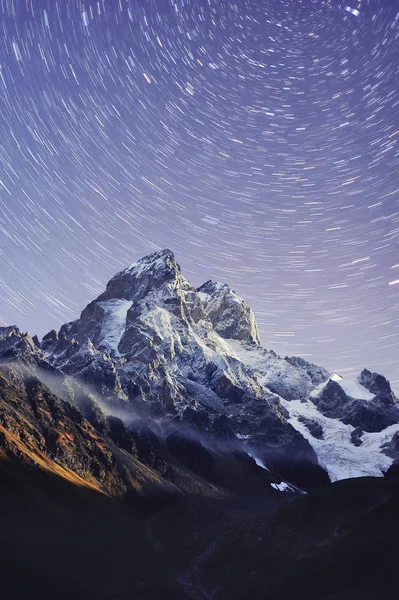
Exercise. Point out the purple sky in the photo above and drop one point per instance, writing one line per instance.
(256, 139)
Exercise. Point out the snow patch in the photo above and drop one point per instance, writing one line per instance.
(114, 323)
(203, 297)
(258, 461)
(353, 388)
(283, 487)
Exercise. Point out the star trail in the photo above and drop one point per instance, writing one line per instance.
(257, 139)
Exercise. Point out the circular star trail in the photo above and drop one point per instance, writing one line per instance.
(258, 139)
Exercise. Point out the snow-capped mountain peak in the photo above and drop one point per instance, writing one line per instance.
(193, 357)
(151, 274)
(156, 260)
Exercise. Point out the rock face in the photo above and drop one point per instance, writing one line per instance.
(371, 415)
(39, 431)
(314, 427)
(14, 344)
(231, 318)
(155, 348)
(379, 386)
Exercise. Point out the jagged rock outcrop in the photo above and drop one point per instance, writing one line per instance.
(377, 385)
(14, 344)
(230, 316)
(367, 414)
(314, 427)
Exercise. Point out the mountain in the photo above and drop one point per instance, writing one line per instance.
(192, 357)
(157, 426)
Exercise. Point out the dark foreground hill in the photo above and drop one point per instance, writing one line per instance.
(83, 517)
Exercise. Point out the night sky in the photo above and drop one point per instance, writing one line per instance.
(257, 139)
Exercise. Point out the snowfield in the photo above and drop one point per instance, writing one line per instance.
(336, 453)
